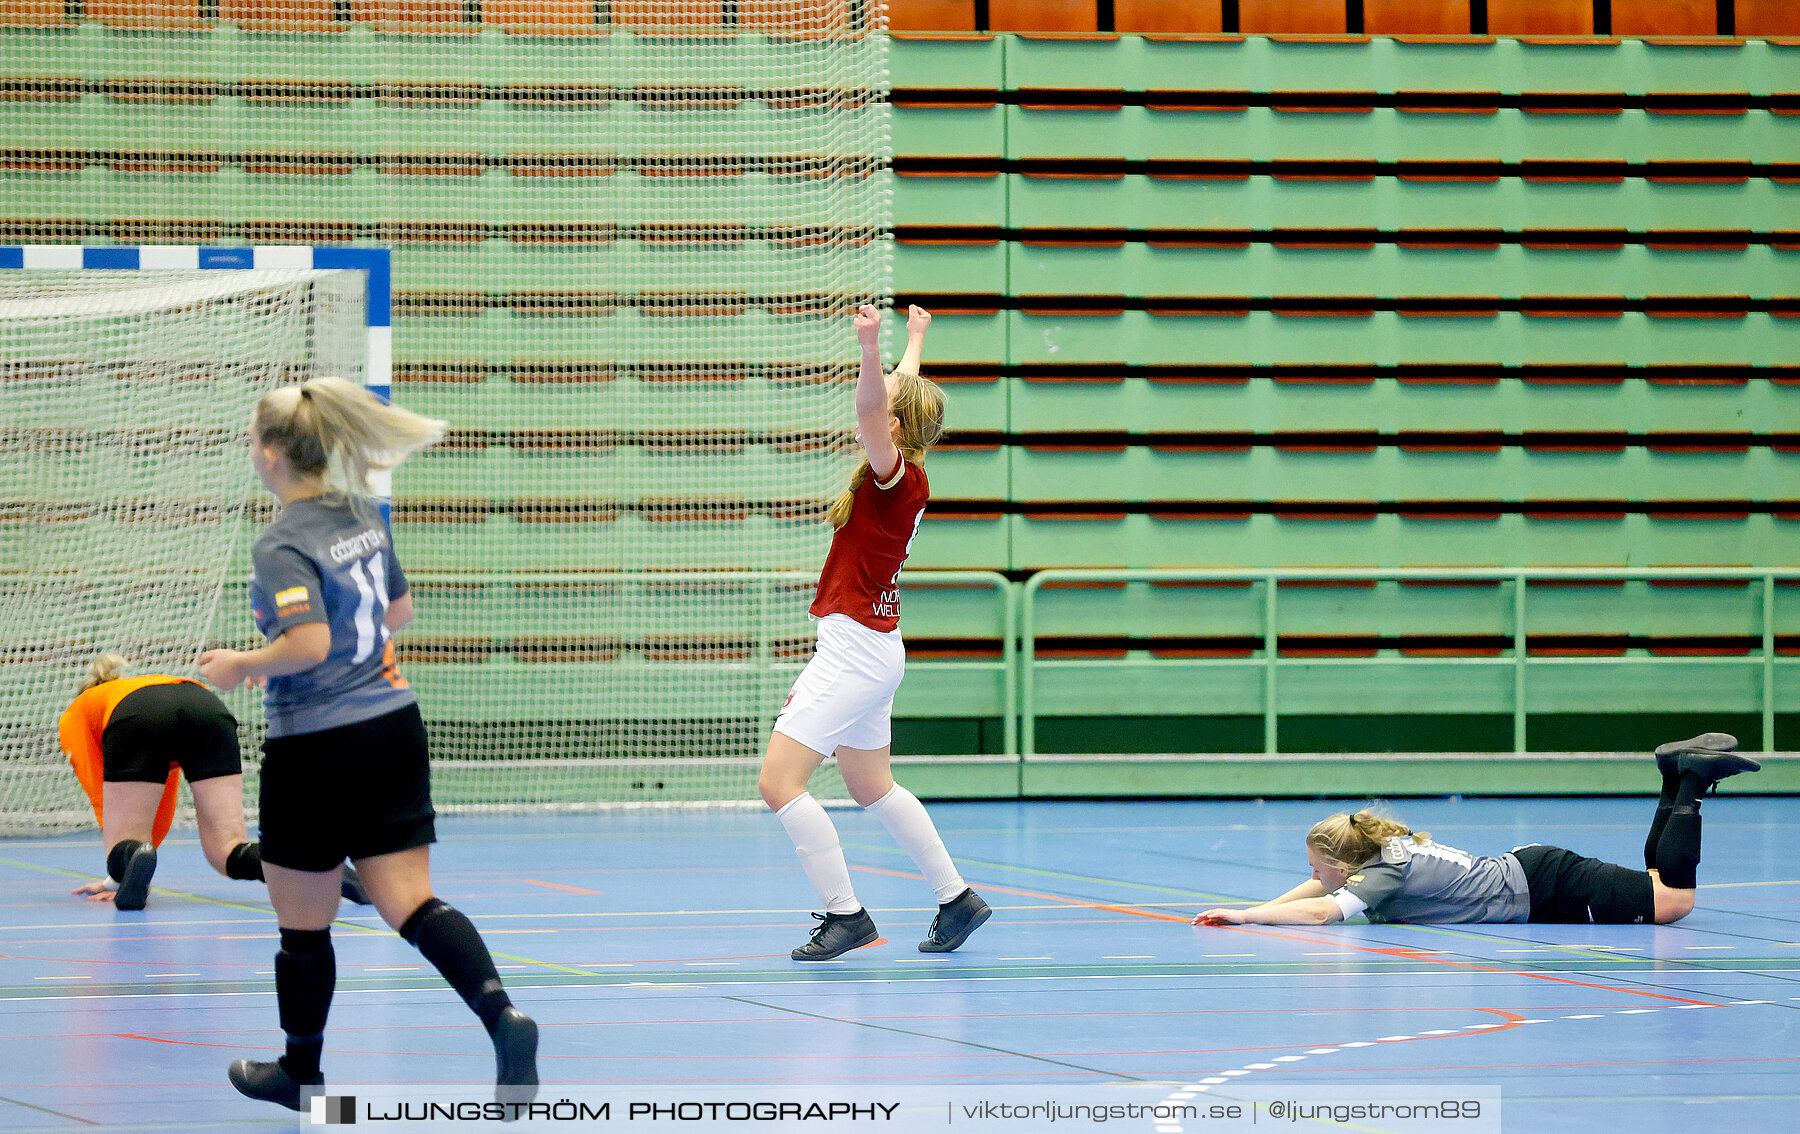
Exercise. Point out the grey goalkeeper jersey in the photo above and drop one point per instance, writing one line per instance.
(1430, 882)
(330, 562)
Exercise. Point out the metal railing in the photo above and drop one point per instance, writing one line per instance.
(1519, 659)
(1018, 667)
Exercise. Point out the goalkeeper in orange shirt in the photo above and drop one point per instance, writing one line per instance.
(128, 740)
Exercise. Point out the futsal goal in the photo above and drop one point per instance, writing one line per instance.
(126, 498)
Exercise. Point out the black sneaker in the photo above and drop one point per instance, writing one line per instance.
(352, 887)
(1667, 755)
(134, 887)
(1712, 767)
(270, 1082)
(838, 933)
(955, 920)
(515, 1057)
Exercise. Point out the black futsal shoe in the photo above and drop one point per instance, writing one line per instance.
(134, 883)
(515, 1057)
(270, 1082)
(1668, 755)
(838, 933)
(955, 920)
(352, 887)
(1712, 767)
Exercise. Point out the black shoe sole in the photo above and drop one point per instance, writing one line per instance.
(1715, 766)
(932, 945)
(134, 888)
(1668, 755)
(515, 1058)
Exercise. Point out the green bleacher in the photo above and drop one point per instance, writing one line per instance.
(1250, 303)
(1232, 302)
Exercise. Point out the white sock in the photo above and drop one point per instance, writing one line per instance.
(816, 840)
(904, 816)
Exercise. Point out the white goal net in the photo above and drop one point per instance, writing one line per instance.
(626, 239)
(125, 488)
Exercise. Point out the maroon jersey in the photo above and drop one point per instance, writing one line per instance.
(862, 573)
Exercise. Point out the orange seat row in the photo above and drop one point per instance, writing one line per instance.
(1334, 17)
(1259, 17)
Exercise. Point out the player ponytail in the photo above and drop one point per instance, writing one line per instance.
(1349, 840)
(106, 667)
(339, 432)
(918, 403)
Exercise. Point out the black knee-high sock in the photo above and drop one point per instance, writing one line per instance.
(1678, 850)
(1670, 785)
(451, 943)
(305, 977)
(245, 862)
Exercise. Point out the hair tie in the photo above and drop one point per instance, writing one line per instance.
(306, 393)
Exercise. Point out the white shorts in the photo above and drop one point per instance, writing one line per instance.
(845, 695)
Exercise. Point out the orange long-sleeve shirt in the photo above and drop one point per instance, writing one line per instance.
(84, 723)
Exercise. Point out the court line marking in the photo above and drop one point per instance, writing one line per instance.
(559, 886)
(1080, 903)
(1205, 1085)
(888, 851)
(435, 985)
(47, 1110)
(1414, 954)
(951, 1040)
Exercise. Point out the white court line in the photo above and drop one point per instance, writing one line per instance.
(1187, 1092)
(951, 978)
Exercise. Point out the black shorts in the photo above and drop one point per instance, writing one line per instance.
(1566, 887)
(161, 726)
(351, 792)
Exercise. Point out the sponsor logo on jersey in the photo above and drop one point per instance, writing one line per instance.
(357, 546)
(292, 597)
(1352, 879)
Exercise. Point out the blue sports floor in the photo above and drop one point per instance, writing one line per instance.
(652, 947)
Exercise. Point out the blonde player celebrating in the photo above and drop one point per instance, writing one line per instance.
(844, 699)
(345, 769)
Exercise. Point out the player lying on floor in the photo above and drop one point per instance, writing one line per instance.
(1367, 863)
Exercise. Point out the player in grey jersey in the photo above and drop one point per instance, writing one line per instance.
(1370, 864)
(346, 766)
